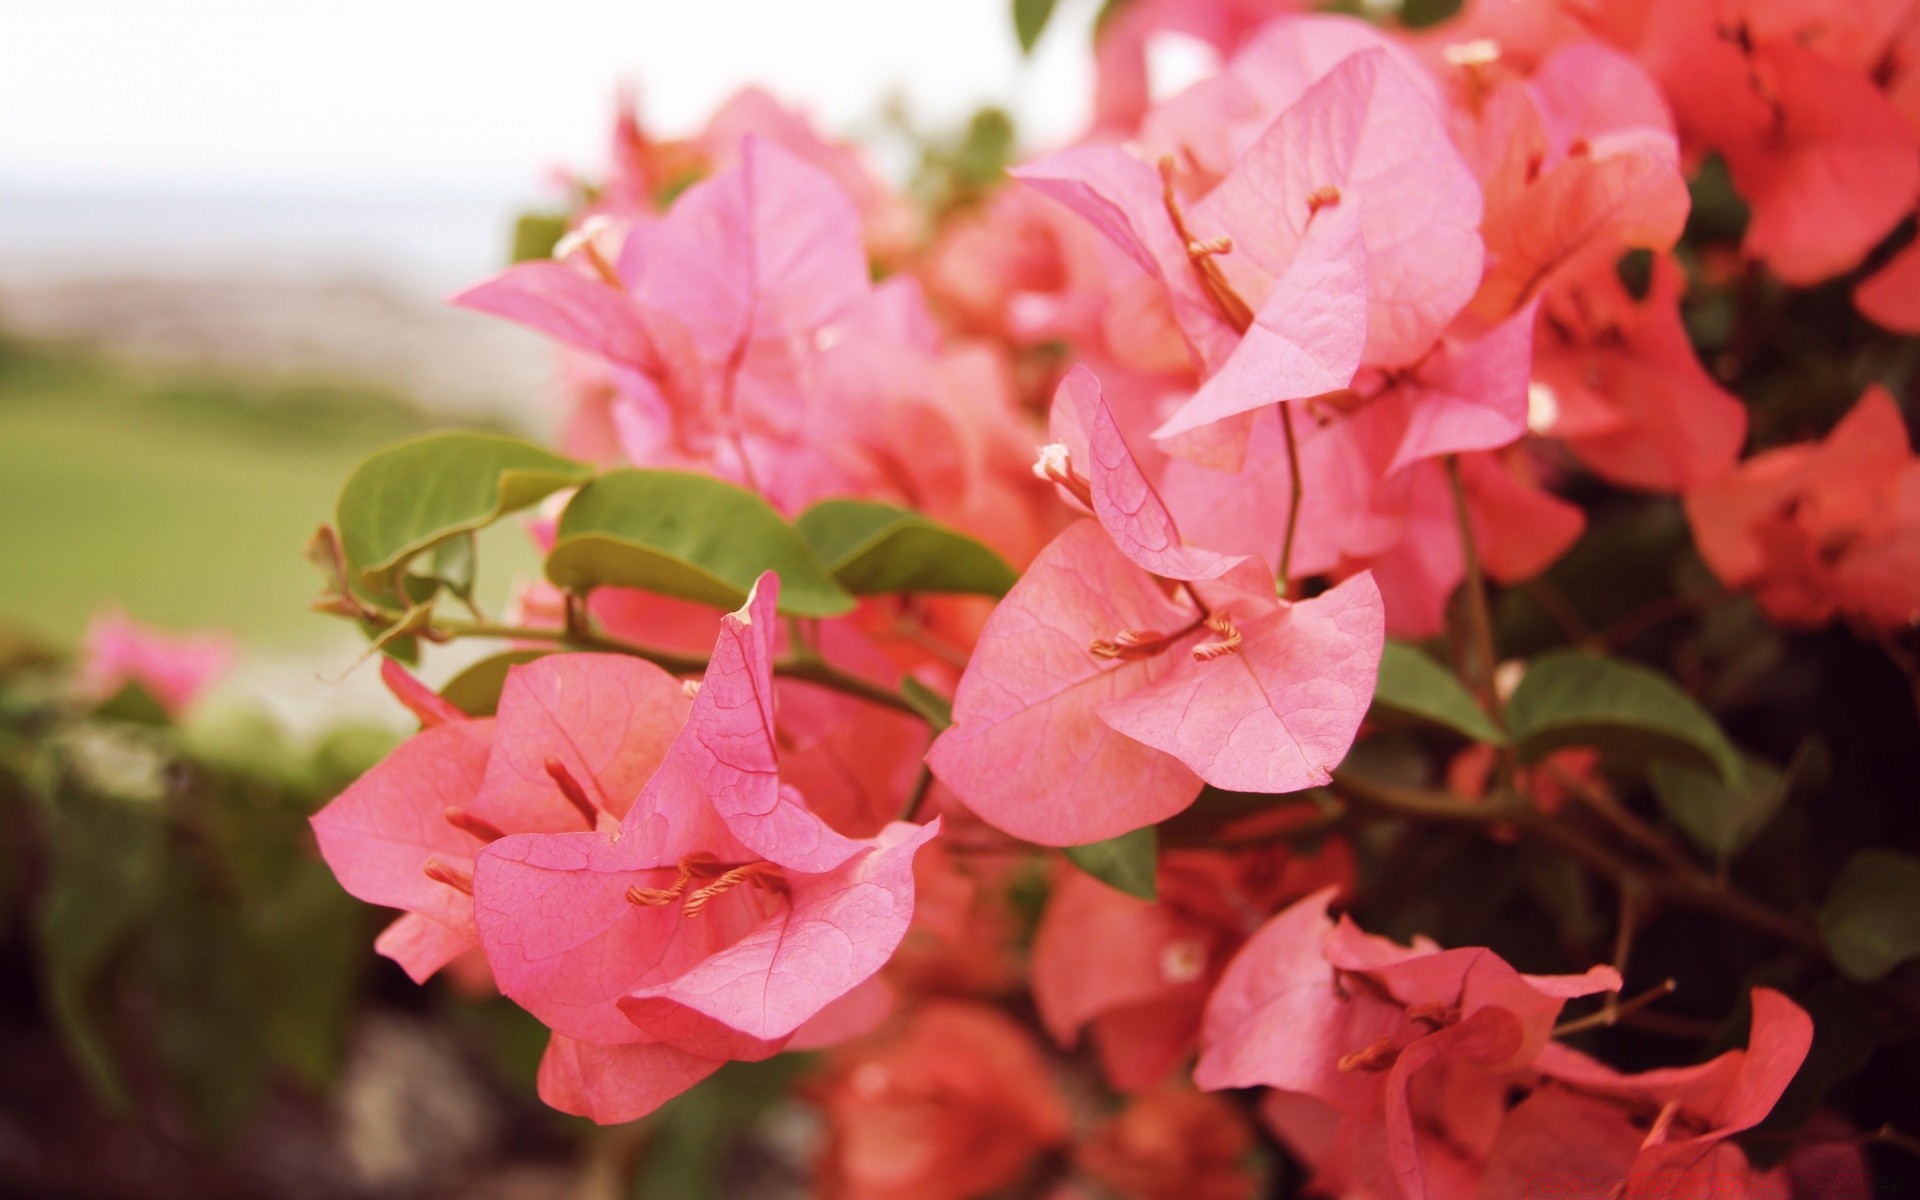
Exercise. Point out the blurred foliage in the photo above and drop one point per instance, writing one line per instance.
(187, 939)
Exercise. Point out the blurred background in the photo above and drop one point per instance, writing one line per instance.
(226, 231)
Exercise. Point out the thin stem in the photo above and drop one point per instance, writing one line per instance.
(1479, 620)
(808, 670)
(1298, 491)
(1614, 1011)
(1690, 886)
(915, 802)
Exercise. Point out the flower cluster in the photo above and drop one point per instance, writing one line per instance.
(1250, 378)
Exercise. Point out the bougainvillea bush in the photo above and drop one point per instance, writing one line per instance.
(1350, 632)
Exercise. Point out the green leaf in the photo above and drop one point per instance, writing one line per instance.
(1871, 919)
(451, 565)
(1412, 684)
(1129, 862)
(535, 234)
(1030, 21)
(102, 882)
(1721, 818)
(931, 705)
(476, 690)
(875, 549)
(691, 536)
(409, 497)
(1574, 699)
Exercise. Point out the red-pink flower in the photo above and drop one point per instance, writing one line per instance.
(174, 669)
(1363, 1030)
(952, 1104)
(1823, 530)
(1173, 1144)
(575, 737)
(1126, 667)
(1136, 974)
(1617, 380)
(718, 918)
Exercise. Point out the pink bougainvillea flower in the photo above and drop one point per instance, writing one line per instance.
(1263, 271)
(1617, 380)
(1354, 1022)
(1123, 91)
(1120, 693)
(1031, 695)
(1824, 530)
(1174, 1144)
(400, 837)
(416, 697)
(1368, 136)
(174, 669)
(716, 920)
(1833, 173)
(1136, 974)
(575, 737)
(706, 315)
(1823, 156)
(1693, 1111)
(956, 1102)
(1585, 165)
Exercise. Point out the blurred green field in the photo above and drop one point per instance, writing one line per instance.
(183, 495)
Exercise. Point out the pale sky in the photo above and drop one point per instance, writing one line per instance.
(367, 96)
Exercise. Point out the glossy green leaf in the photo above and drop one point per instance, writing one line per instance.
(689, 536)
(1871, 920)
(1719, 817)
(1413, 685)
(1573, 699)
(931, 705)
(876, 549)
(1129, 862)
(407, 498)
(1030, 19)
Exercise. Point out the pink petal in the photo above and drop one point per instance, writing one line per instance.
(611, 1085)
(738, 770)
(564, 941)
(1281, 712)
(1835, 179)
(1030, 695)
(1122, 197)
(1890, 297)
(419, 699)
(566, 305)
(421, 946)
(606, 719)
(1305, 340)
(1471, 395)
(1274, 1013)
(838, 929)
(1124, 499)
(768, 250)
(853, 1015)
(1369, 131)
(380, 834)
